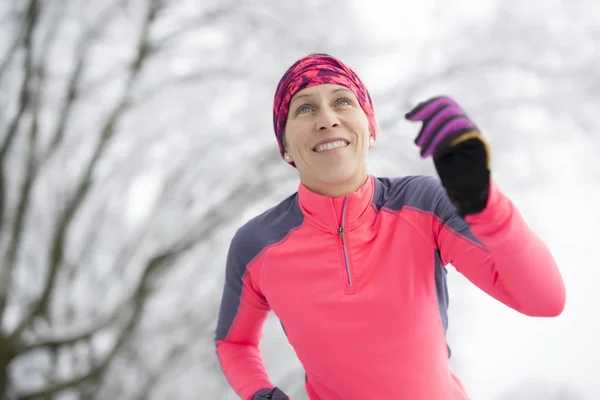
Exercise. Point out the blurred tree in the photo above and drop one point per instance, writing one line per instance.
(127, 147)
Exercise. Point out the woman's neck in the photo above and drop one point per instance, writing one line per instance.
(338, 189)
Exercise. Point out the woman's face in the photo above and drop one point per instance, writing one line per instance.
(327, 136)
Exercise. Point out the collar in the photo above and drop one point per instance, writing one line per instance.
(322, 209)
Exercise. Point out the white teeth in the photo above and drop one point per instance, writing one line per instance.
(331, 145)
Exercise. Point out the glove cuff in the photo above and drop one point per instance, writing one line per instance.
(469, 202)
(270, 394)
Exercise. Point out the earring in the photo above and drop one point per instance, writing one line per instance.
(287, 157)
(371, 140)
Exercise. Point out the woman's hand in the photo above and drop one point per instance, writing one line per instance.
(460, 153)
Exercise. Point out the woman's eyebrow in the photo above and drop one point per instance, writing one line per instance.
(300, 96)
(310, 95)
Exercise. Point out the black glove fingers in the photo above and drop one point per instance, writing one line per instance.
(456, 122)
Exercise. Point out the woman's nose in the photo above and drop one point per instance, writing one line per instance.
(327, 120)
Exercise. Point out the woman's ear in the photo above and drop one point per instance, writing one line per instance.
(286, 155)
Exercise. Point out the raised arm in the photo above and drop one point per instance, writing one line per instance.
(500, 253)
(496, 250)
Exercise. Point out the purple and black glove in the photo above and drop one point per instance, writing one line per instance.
(460, 153)
(270, 394)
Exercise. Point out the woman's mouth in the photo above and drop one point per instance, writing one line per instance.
(330, 146)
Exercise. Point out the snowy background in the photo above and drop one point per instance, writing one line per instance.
(136, 136)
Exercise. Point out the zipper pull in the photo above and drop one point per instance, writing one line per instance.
(341, 233)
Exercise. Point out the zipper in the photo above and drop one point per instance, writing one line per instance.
(343, 240)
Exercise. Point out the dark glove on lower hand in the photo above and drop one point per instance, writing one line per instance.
(460, 153)
(270, 394)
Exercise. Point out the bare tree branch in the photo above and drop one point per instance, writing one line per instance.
(138, 301)
(31, 167)
(21, 212)
(10, 54)
(24, 93)
(157, 264)
(24, 99)
(70, 267)
(4, 360)
(72, 88)
(69, 338)
(82, 190)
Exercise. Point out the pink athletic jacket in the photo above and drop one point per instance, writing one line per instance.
(359, 285)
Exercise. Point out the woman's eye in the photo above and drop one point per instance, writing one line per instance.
(343, 102)
(303, 109)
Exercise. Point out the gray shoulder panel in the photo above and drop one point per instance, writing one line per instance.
(424, 193)
(250, 240)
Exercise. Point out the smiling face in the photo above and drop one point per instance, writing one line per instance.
(327, 138)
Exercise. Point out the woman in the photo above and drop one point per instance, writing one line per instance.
(353, 265)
